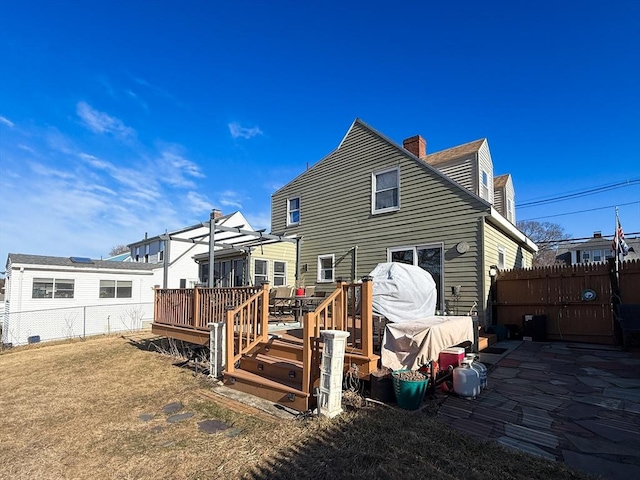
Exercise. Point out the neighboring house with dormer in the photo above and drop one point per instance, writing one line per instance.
(372, 201)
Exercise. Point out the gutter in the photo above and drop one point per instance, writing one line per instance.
(507, 227)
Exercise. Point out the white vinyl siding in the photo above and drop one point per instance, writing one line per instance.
(385, 190)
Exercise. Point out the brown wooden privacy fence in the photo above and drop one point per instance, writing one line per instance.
(558, 292)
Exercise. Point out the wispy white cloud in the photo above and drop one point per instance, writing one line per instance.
(138, 100)
(229, 198)
(6, 121)
(46, 171)
(259, 220)
(100, 122)
(159, 91)
(176, 168)
(198, 203)
(238, 131)
(26, 148)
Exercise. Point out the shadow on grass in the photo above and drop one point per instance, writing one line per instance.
(393, 444)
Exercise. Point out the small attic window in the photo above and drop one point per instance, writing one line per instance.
(80, 260)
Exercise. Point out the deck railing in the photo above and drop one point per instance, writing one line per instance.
(196, 307)
(247, 326)
(348, 308)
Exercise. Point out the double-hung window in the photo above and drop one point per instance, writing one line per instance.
(260, 271)
(385, 190)
(293, 211)
(279, 273)
(502, 258)
(484, 188)
(326, 266)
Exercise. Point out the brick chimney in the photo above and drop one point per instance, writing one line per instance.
(215, 213)
(416, 145)
(597, 234)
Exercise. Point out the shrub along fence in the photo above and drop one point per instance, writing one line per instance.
(577, 300)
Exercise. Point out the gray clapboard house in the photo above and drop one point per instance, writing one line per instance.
(372, 201)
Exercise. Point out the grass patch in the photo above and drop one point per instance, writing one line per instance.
(72, 410)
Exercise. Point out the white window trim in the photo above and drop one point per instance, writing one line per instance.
(284, 275)
(289, 223)
(503, 251)
(333, 268)
(484, 186)
(255, 274)
(373, 191)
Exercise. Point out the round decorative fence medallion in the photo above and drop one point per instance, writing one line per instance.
(588, 295)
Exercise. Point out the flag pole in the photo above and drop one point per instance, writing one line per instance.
(616, 242)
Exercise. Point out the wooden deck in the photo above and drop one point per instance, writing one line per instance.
(283, 365)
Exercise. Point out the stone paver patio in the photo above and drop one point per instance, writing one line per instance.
(575, 403)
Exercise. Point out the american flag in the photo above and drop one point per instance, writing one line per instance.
(619, 246)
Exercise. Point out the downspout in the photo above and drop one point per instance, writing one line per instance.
(354, 263)
(298, 242)
(165, 266)
(212, 232)
(484, 270)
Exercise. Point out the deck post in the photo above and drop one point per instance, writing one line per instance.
(196, 307)
(366, 316)
(217, 354)
(306, 353)
(264, 313)
(230, 338)
(340, 320)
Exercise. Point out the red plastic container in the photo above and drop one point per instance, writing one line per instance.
(450, 357)
(300, 292)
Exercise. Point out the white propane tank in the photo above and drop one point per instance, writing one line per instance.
(466, 380)
(479, 367)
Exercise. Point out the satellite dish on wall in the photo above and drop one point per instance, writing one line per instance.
(462, 247)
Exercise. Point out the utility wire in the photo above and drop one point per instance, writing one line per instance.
(580, 211)
(583, 193)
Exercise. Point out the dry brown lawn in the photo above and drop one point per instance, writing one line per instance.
(72, 411)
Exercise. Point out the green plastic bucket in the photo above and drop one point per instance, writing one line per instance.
(409, 393)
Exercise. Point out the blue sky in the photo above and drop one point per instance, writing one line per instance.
(120, 118)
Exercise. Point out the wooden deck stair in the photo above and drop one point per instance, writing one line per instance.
(273, 371)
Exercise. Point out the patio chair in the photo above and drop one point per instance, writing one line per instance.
(627, 316)
(310, 291)
(283, 299)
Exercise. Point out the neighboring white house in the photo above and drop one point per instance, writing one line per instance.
(182, 246)
(49, 298)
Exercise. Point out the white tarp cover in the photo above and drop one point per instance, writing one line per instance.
(403, 293)
(411, 344)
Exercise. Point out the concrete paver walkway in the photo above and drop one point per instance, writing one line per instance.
(575, 403)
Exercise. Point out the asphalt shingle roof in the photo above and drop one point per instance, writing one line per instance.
(20, 258)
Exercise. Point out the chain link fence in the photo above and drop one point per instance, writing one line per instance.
(20, 328)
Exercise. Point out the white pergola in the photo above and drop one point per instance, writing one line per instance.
(243, 241)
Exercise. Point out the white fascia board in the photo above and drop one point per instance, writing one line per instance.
(67, 269)
(507, 227)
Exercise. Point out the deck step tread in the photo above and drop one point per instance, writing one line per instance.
(274, 360)
(287, 387)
